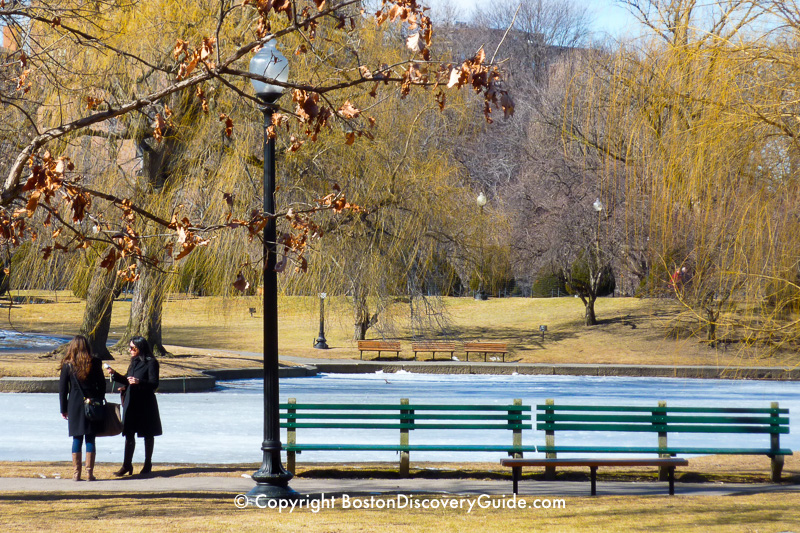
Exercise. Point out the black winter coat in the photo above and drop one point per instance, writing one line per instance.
(70, 395)
(139, 405)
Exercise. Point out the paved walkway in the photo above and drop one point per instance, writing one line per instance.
(362, 487)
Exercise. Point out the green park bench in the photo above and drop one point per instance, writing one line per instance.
(617, 420)
(366, 421)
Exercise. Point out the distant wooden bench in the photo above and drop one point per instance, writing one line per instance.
(378, 346)
(433, 347)
(616, 420)
(486, 348)
(518, 464)
(404, 417)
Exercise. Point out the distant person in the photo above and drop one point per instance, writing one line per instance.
(139, 406)
(81, 377)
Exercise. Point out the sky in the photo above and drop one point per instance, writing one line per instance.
(610, 17)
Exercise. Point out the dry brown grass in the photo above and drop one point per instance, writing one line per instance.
(211, 332)
(216, 512)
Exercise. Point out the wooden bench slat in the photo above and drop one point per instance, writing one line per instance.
(412, 447)
(365, 425)
(399, 416)
(559, 417)
(662, 428)
(402, 407)
(485, 345)
(657, 409)
(669, 450)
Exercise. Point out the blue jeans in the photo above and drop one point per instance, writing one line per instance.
(77, 443)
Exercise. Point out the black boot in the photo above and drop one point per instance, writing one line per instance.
(148, 456)
(127, 462)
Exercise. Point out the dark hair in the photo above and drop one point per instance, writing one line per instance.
(79, 355)
(142, 345)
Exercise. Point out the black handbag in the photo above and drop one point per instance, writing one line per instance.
(94, 410)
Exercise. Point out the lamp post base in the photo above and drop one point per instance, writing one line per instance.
(321, 344)
(263, 493)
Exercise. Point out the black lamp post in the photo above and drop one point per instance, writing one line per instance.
(481, 294)
(272, 479)
(321, 343)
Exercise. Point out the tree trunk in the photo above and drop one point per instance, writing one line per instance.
(591, 319)
(146, 309)
(103, 288)
(362, 319)
(711, 328)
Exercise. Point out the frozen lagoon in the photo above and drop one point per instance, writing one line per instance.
(225, 426)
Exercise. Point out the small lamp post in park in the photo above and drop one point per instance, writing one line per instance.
(481, 294)
(272, 479)
(321, 343)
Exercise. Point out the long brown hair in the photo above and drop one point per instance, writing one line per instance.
(79, 355)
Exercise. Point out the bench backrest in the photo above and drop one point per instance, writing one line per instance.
(444, 346)
(662, 419)
(486, 346)
(406, 416)
(379, 345)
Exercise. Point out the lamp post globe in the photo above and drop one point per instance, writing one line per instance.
(269, 63)
(272, 480)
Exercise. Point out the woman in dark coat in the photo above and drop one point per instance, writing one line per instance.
(139, 406)
(81, 377)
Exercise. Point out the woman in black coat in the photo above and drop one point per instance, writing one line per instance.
(81, 377)
(139, 406)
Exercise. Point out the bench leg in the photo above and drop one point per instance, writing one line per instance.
(516, 474)
(404, 464)
(593, 476)
(290, 462)
(777, 467)
(671, 475)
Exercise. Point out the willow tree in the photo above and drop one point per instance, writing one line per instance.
(703, 110)
(415, 206)
(155, 77)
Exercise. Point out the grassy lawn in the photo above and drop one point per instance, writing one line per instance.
(770, 511)
(209, 332)
(216, 512)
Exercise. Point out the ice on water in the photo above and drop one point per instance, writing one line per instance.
(226, 426)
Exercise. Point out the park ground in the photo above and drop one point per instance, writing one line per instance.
(209, 332)
(204, 333)
(768, 511)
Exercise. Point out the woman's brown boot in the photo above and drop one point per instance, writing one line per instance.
(90, 466)
(76, 467)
